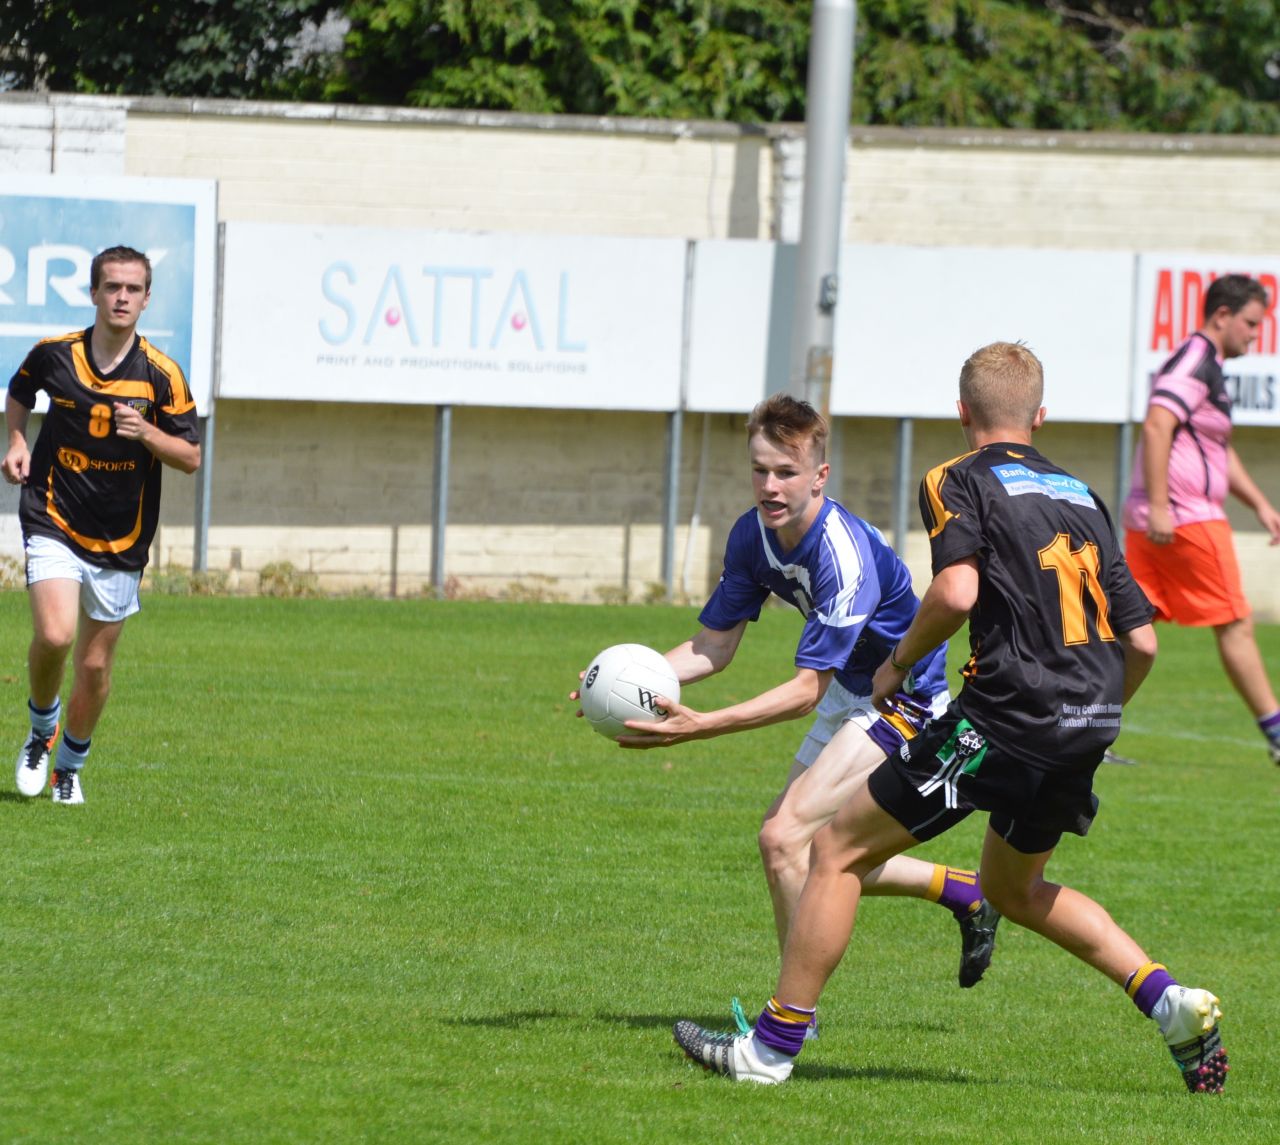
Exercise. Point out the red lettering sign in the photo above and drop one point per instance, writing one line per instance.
(1178, 305)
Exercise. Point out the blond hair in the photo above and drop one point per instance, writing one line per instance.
(1003, 386)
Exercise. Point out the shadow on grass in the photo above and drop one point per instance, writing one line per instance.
(723, 1021)
(512, 1021)
(809, 1072)
(804, 1071)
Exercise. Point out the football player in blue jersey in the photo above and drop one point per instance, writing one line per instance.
(856, 599)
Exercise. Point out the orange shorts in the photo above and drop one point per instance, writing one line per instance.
(1195, 580)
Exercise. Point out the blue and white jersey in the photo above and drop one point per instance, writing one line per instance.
(851, 587)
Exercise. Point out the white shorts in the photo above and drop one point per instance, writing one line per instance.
(840, 706)
(108, 595)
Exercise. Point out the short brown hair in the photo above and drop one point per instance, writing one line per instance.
(116, 254)
(1002, 385)
(791, 423)
(1235, 292)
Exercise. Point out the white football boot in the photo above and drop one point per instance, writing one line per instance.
(734, 1055)
(66, 787)
(32, 769)
(1189, 1021)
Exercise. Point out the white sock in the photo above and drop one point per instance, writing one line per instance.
(767, 1054)
(1162, 1011)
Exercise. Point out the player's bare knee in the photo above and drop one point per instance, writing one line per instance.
(1015, 901)
(783, 845)
(52, 640)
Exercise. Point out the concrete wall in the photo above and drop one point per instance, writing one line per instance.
(570, 504)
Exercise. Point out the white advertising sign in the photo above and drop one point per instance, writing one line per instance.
(420, 317)
(908, 317)
(740, 337)
(1170, 300)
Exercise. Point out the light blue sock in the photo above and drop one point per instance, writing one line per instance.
(72, 753)
(44, 721)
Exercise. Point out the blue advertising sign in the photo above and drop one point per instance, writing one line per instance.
(51, 228)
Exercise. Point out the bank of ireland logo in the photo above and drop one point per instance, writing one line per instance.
(73, 460)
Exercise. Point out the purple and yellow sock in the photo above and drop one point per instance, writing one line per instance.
(959, 891)
(1146, 984)
(782, 1027)
(1270, 726)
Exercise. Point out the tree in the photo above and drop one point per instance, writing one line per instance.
(1165, 65)
(1127, 65)
(214, 48)
(736, 59)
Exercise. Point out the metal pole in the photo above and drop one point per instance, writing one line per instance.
(204, 492)
(204, 483)
(675, 425)
(828, 93)
(902, 486)
(1124, 455)
(440, 495)
(675, 428)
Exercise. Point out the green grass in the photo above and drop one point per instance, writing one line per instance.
(351, 871)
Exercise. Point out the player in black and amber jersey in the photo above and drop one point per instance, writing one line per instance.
(118, 410)
(1060, 638)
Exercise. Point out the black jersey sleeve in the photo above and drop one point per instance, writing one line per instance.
(950, 514)
(25, 383)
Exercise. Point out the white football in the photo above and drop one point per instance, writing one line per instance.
(624, 683)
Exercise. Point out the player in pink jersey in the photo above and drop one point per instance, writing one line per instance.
(1177, 539)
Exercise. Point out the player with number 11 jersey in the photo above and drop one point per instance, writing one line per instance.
(1045, 677)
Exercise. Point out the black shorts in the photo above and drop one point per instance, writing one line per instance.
(950, 770)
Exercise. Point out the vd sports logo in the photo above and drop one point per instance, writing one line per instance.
(73, 459)
(77, 462)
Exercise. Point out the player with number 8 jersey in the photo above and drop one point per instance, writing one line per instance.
(1054, 576)
(90, 488)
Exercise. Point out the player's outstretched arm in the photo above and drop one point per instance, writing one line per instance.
(706, 653)
(797, 697)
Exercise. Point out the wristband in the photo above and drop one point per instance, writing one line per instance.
(894, 662)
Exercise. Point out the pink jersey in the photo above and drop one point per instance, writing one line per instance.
(1191, 387)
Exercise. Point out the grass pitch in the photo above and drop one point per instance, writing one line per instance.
(351, 871)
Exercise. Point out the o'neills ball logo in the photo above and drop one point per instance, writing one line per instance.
(72, 459)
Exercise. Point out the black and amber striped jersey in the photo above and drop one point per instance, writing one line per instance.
(90, 488)
(1045, 677)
